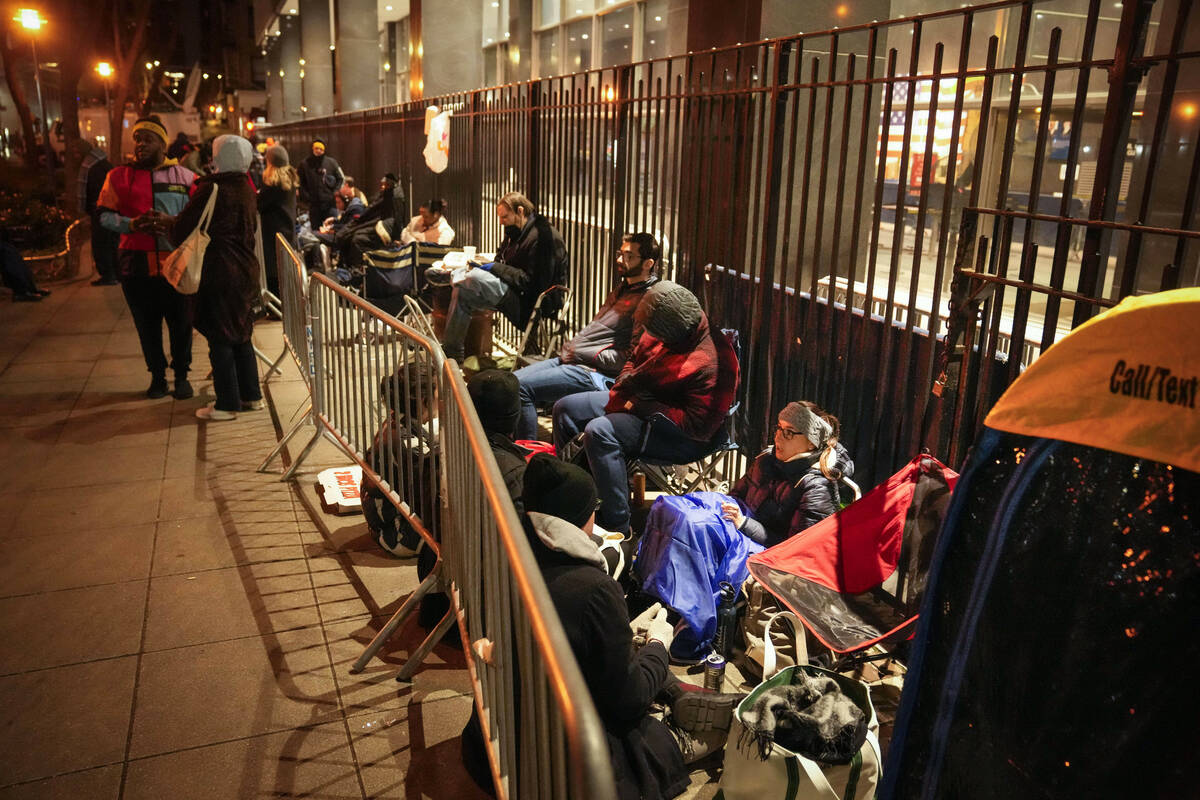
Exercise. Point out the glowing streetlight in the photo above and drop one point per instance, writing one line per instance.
(105, 69)
(32, 21)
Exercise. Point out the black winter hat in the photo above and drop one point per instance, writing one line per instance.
(497, 399)
(559, 489)
(670, 312)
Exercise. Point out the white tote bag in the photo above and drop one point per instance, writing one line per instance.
(182, 268)
(785, 775)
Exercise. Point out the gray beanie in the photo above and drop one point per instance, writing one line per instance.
(277, 156)
(671, 313)
(804, 420)
(232, 153)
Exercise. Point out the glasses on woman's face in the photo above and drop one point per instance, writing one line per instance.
(786, 433)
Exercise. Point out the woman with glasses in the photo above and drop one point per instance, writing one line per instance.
(794, 484)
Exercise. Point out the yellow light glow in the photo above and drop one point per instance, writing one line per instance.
(149, 65)
(206, 76)
(610, 94)
(842, 11)
(30, 19)
(105, 69)
(387, 67)
(156, 62)
(1188, 110)
(303, 62)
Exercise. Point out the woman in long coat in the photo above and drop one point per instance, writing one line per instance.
(229, 282)
(277, 207)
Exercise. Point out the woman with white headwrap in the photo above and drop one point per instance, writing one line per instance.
(229, 282)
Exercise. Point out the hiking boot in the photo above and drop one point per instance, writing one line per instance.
(697, 712)
(158, 387)
(183, 389)
(698, 746)
(211, 413)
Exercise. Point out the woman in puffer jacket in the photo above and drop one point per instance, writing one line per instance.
(795, 483)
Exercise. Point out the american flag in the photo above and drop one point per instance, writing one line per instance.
(939, 148)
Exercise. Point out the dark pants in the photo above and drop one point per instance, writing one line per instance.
(14, 271)
(234, 374)
(104, 249)
(610, 440)
(153, 301)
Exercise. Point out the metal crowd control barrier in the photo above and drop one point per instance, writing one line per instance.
(375, 395)
(544, 737)
(297, 340)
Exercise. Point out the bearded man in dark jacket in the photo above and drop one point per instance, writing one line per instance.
(530, 259)
(593, 359)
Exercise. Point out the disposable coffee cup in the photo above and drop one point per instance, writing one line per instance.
(469, 252)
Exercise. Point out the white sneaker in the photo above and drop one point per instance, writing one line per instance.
(213, 414)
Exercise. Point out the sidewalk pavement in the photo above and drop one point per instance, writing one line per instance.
(175, 624)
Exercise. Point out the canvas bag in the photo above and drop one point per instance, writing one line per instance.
(182, 267)
(762, 608)
(785, 775)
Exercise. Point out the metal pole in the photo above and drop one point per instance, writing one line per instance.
(37, 81)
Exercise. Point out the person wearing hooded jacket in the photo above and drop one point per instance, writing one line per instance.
(669, 401)
(277, 209)
(320, 178)
(229, 280)
(793, 484)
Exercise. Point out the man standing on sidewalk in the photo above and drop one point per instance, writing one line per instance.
(320, 178)
(139, 201)
(92, 171)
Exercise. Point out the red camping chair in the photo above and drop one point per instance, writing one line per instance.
(855, 579)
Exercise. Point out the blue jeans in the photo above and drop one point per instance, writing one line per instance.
(234, 373)
(551, 380)
(610, 440)
(480, 290)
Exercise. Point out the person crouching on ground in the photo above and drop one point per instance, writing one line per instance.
(229, 281)
(647, 754)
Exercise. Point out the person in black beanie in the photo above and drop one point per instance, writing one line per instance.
(560, 506)
(495, 394)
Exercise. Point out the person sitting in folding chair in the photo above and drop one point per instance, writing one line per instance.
(364, 234)
(669, 401)
(593, 359)
(793, 484)
(429, 225)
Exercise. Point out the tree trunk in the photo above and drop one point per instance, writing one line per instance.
(125, 60)
(18, 95)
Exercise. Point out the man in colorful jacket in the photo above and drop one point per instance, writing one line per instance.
(668, 403)
(139, 201)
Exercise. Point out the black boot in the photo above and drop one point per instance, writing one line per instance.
(158, 386)
(183, 389)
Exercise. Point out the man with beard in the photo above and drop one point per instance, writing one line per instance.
(320, 178)
(530, 259)
(139, 201)
(593, 359)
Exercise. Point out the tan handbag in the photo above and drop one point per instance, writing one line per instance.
(182, 268)
(761, 609)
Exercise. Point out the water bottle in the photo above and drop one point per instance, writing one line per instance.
(726, 620)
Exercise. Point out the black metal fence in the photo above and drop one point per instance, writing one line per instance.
(898, 216)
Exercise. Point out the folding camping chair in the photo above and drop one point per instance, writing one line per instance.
(545, 333)
(701, 474)
(855, 579)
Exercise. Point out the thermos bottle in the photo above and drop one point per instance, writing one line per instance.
(726, 620)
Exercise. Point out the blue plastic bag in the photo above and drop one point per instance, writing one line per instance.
(687, 550)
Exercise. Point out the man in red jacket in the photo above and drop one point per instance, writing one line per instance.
(139, 201)
(668, 403)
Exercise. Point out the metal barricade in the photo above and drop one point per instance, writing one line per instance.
(544, 737)
(375, 395)
(297, 340)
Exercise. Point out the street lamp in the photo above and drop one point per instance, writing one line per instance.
(105, 70)
(32, 21)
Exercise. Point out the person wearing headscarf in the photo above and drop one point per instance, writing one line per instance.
(793, 484)
(139, 202)
(277, 209)
(668, 402)
(229, 281)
